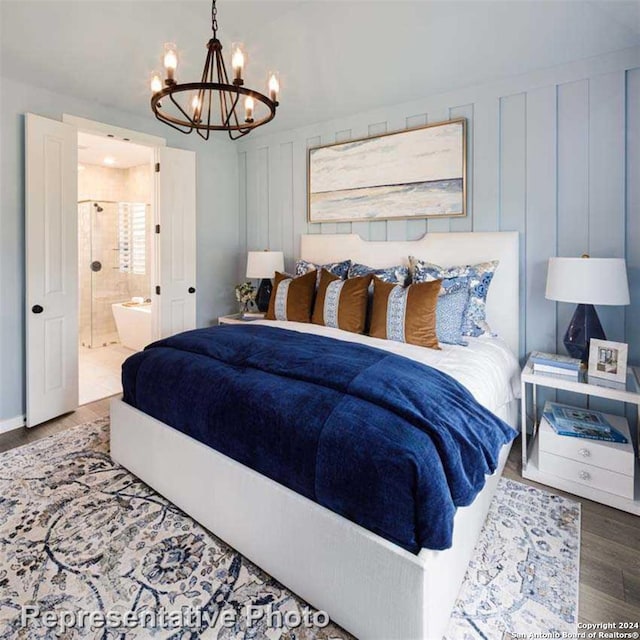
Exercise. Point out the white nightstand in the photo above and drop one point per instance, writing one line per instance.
(236, 318)
(601, 471)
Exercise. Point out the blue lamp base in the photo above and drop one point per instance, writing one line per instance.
(264, 295)
(584, 326)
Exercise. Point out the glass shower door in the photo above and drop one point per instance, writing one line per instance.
(100, 280)
(108, 284)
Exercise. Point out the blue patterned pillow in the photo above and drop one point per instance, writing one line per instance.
(452, 303)
(339, 269)
(479, 278)
(395, 275)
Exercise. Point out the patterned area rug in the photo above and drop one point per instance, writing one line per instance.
(80, 535)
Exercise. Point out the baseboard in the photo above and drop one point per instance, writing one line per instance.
(12, 423)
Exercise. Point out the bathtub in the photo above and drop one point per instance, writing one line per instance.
(133, 324)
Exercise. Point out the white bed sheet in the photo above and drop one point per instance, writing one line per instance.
(486, 367)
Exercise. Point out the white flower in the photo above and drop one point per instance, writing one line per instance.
(245, 293)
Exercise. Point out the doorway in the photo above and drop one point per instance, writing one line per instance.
(52, 254)
(115, 259)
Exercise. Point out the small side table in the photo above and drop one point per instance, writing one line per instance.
(236, 318)
(627, 394)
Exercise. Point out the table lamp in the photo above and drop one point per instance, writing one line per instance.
(587, 282)
(263, 265)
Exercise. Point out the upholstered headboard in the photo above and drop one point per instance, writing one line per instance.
(446, 249)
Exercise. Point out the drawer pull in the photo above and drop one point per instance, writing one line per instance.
(584, 475)
(585, 453)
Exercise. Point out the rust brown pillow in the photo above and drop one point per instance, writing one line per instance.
(405, 314)
(292, 298)
(341, 304)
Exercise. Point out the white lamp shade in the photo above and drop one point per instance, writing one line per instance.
(588, 281)
(264, 264)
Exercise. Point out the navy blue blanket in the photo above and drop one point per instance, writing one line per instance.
(389, 443)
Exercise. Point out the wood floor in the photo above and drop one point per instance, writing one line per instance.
(610, 550)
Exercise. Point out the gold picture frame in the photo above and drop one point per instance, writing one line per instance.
(422, 173)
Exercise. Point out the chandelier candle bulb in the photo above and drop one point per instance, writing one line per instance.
(170, 60)
(248, 109)
(196, 105)
(237, 62)
(156, 82)
(274, 86)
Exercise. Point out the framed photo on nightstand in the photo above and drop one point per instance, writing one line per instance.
(608, 360)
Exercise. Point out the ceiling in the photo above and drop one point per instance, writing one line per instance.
(120, 155)
(335, 57)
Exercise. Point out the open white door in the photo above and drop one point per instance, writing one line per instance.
(51, 268)
(176, 211)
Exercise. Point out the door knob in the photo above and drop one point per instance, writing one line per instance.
(192, 289)
(37, 308)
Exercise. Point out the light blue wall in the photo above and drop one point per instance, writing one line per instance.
(217, 225)
(553, 154)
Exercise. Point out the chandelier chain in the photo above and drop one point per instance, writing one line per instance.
(214, 18)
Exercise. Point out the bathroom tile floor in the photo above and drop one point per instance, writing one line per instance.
(100, 371)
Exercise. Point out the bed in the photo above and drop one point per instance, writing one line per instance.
(368, 584)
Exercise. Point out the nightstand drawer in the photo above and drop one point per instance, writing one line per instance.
(611, 456)
(588, 475)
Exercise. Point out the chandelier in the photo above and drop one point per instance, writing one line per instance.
(214, 103)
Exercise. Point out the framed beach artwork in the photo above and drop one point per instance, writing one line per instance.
(414, 173)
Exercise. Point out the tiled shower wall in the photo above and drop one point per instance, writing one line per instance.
(98, 240)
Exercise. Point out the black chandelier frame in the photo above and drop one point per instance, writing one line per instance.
(228, 96)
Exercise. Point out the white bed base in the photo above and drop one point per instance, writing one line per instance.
(368, 585)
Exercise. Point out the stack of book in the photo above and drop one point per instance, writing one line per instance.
(253, 315)
(580, 423)
(556, 364)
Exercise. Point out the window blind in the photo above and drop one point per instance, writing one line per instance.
(132, 231)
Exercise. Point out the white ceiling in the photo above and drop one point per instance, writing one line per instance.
(94, 149)
(336, 57)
